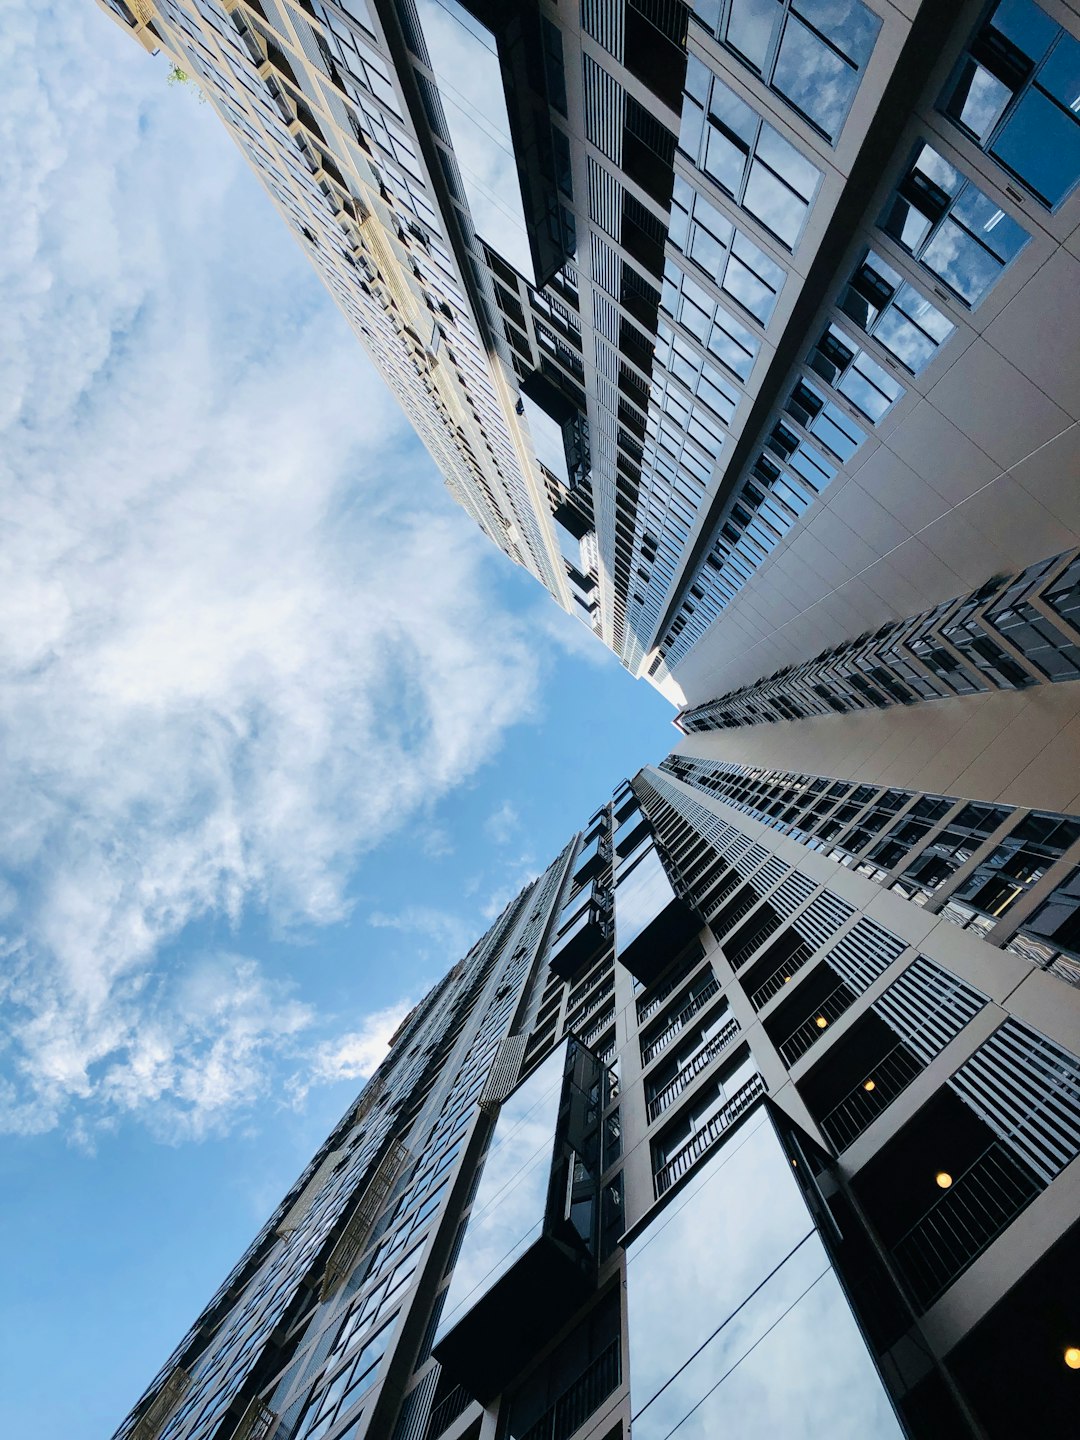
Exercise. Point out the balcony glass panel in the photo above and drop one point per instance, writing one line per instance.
(508, 1214)
(737, 1322)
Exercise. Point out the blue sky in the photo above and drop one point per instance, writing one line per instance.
(281, 731)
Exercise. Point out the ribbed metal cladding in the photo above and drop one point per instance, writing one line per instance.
(604, 106)
(605, 199)
(605, 21)
(770, 874)
(607, 359)
(504, 1072)
(927, 1006)
(795, 891)
(607, 394)
(821, 919)
(413, 1416)
(742, 854)
(864, 953)
(606, 266)
(1027, 1089)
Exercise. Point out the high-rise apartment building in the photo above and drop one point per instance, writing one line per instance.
(757, 1114)
(748, 327)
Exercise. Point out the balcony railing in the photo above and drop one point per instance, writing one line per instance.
(829, 1010)
(960, 1225)
(648, 1007)
(721, 897)
(447, 1411)
(706, 1137)
(604, 993)
(697, 1063)
(743, 908)
(597, 1028)
(865, 1102)
(662, 1040)
(770, 923)
(781, 976)
(581, 1399)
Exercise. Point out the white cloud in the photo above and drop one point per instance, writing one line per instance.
(449, 934)
(502, 824)
(239, 643)
(357, 1055)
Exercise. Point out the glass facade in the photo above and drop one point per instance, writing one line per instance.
(737, 1321)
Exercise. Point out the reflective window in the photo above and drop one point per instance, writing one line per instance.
(1019, 862)
(953, 229)
(825, 420)
(734, 262)
(847, 368)
(689, 366)
(811, 52)
(737, 1322)
(747, 158)
(641, 895)
(885, 305)
(1016, 93)
(511, 1200)
(708, 322)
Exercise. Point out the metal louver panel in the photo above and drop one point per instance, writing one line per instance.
(606, 393)
(864, 953)
(607, 361)
(751, 860)
(353, 1238)
(308, 1195)
(504, 1073)
(822, 918)
(926, 1006)
(413, 1418)
(606, 266)
(605, 21)
(605, 199)
(604, 106)
(795, 890)
(770, 874)
(605, 317)
(1027, 1089)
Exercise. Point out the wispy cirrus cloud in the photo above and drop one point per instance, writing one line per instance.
(239, 642)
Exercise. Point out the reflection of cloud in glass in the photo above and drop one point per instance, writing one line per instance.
(508, 1213)
(962, 263)
(737, 1324)
(814, 78)
(471, 86)
(984, 101)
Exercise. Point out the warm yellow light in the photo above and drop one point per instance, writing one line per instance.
(787, 979)
(1072, 1357)
(821, 1022)
(869, 1085)
(943, 1178)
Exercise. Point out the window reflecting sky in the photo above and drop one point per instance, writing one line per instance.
(737, 1323)
(508, 1214)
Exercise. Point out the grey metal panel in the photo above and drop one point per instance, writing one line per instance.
(926, 1006)
(605, 21)
(1027, 1089)
(821, 919)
